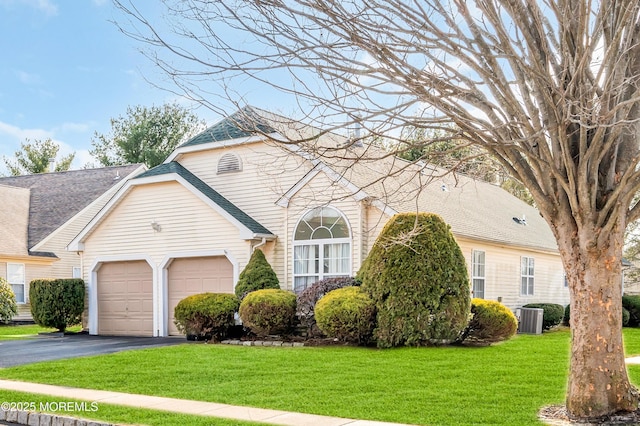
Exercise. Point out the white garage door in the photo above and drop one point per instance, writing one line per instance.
(125, 299)
(195, 275)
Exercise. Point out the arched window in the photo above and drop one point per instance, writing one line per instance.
(229, 163)
(321, 247)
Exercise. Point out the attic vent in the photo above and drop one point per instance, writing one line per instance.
(229, 163)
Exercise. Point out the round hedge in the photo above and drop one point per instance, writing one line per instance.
(308, 298)
(57, 303)
(256, 275)
(552, 315)
(417, 277)
(206, 316)
(632, 304)
(491, 322)
(347, 314)
(268, 311)
(8, 305)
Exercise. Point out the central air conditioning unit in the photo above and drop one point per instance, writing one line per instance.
(530, 320)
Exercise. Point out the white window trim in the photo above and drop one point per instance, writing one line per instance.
(23, 283)
(529, 277)
(321, 243)
(479, 277)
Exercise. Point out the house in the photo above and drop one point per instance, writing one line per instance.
(191, 224)
(40, 214)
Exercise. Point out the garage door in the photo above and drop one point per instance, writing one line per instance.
(195, 275)
(125, 299)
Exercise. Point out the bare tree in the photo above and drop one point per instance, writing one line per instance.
(550, 88)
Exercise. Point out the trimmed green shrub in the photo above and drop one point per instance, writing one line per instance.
(626, 317)
(268, 311)
(8, 305)
(632, 304)
(490, 322)
(417, 277)
(206, 316)
(308, 298)
(552, 313)
(347, 314)
(57, 303)
(257, 275)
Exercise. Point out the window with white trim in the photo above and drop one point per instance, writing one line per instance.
(15, 277)
(478, 273)
(76, 272)
(229, 163)
(321, 247)
(527, 266)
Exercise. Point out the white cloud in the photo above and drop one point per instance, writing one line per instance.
(22, 134)
(70, 127)
(47, 7)
(28, 78)
(99, 2)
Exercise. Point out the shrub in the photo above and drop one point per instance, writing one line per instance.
(308, 298)
(490, 322)
(417, 277)
(626, 317)
(257, 275)
(206, 315)
(8, 305)
(268, 311)
(57, 303)
(552, 313)
(632, 304)
(347, 314)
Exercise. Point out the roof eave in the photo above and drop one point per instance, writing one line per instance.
(181, 150)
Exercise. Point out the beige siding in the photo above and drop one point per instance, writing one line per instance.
(187, 224)
(503, 280)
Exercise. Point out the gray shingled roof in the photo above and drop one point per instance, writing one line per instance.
(213, 195)
(57, 197)
(243, 123)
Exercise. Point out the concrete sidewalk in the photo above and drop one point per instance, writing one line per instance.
(199, 408)
(633, 360)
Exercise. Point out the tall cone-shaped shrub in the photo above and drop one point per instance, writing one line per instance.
(417, 276)
(257, 275)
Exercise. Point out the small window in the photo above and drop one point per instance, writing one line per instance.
(229, 163)
(478, 273)
(76, 272)
(527, 265)
(15, 276)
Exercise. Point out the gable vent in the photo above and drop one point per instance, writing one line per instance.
(229, 163)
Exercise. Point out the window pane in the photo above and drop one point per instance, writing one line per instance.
(478, 288)
(305, 259)
(18, 290)
(15, 273)
(530, 285)
(300, 283)
(303, 231)
(321, 233)
(336, 258)
(523, 290)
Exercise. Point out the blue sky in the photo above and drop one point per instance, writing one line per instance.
(66, 71)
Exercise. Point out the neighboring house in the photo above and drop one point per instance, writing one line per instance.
(191, 224)
(40, 214)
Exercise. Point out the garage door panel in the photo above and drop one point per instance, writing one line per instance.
(125, 299)
(188, 276)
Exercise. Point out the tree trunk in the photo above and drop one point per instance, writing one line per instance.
(598, 381)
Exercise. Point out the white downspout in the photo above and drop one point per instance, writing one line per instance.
(260, 244)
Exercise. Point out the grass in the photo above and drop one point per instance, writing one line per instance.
(502, 384)
(17, 332)
(119, 414)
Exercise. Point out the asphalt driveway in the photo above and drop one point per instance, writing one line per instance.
(48, 348)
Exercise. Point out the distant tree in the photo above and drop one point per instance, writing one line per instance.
(440, 149)
(35, 157)
(145, 135)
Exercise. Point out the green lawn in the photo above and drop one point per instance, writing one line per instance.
(501, 384)
(15, 332)
(120, 414)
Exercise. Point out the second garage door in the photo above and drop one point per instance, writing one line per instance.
(195, 275)
(125, 299)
